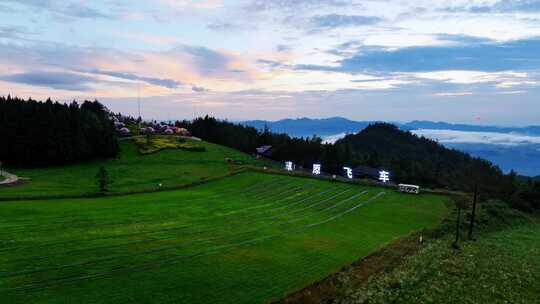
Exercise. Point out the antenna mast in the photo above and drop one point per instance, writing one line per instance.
(139, 102)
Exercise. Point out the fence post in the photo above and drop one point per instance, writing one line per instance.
(473, 215)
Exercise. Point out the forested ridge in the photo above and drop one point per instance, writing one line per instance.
(50, 133)
(409, 158)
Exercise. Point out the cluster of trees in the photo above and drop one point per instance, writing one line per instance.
(304, 151)
(409, 158)
(51, 133)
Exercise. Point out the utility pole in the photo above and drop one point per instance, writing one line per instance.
(139, 103)
(473, 215)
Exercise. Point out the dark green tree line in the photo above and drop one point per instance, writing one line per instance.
(50, 133)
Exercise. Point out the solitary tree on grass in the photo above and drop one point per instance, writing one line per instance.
(103, 180)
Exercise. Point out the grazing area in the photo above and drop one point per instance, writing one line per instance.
(248, 238)
(131, 171)
(501, 266)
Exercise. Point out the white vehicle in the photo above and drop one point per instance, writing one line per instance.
(409, 188)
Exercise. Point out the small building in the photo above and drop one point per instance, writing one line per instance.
(148, 130)
(182, 132)
(409, 188)
(168, 131)
(264, 151)
(124, 131)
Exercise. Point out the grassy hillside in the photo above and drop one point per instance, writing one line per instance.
(130, 172)
(243, 239)
(501, 266)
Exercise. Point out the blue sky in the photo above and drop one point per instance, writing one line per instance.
(456, 61)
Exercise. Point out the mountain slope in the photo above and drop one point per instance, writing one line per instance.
(131, 171)
(413, 159)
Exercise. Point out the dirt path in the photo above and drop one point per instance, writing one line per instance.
(9, 178)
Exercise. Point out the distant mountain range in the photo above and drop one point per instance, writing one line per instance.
(308, 127)
(335, 125)
(516, 148)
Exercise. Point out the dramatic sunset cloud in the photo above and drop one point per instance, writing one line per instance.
(247, 59)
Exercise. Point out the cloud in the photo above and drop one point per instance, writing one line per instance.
(226, 26)
(179, 68)
(264, 5)
(516, 55)
(14, 32)
(502, 6)
(283, 48)
(488, 57)
(74, 9)
(168, 83)
(209, 62)
(496, 138)
(453, 94)
(335, 20)
(198, 89)
(55, 80)
(272, 64)
(462, 39)
(331, 139)
(199, 4)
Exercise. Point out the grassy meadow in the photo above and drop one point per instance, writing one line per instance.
(131, 171)
(501, 266)
(249, 238)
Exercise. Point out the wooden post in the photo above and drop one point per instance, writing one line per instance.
(473, 215)
(458, 222)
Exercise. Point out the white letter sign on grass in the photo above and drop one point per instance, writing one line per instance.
(348, 172)
(289, 166)
(316, 169)
(384, 176)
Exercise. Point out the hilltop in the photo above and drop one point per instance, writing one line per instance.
(132, 171)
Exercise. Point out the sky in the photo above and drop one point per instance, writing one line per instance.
(456, 61)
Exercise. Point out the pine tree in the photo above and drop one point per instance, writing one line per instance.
(103, 180)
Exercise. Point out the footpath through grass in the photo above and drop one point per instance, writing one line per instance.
(248, 238)
(131, 171)
(501, 266)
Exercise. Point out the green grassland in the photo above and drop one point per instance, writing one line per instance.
(131, 171)
(248, 238)
(501, 266)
